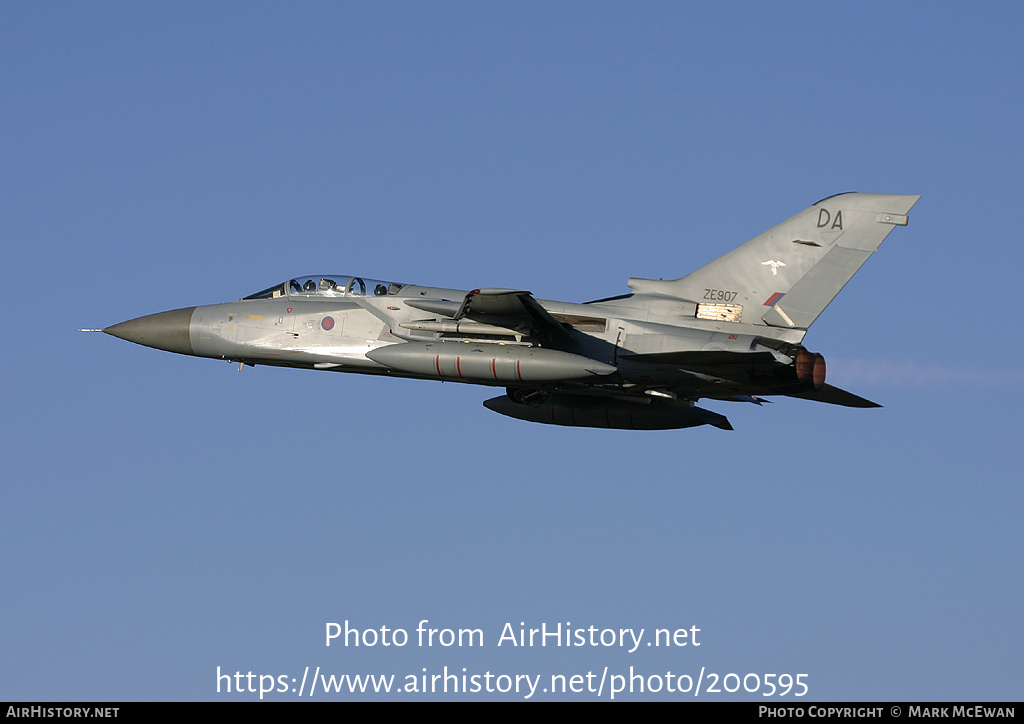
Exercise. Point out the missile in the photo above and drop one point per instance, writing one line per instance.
(486, 362)
(461, 328)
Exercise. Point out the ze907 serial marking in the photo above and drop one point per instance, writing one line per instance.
(720, 295)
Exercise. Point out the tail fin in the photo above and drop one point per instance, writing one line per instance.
(788, 275)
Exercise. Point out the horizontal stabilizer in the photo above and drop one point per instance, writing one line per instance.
(835, 396)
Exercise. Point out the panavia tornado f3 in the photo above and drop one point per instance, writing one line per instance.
(733, 330)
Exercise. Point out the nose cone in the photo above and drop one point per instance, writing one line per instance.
(166, 330)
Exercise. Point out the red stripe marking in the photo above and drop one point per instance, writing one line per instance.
(519, 373)
(437, 364)
(458, 366)
(494, 367)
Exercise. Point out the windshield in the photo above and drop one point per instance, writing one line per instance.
(329, 285)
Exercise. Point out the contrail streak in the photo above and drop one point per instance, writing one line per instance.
(916, 374)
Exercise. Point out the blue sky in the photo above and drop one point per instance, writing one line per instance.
(163, 516)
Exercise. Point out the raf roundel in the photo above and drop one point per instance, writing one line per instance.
(327, 323)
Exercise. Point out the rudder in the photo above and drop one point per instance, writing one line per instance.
(788, 275)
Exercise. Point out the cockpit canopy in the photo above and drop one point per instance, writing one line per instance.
(329, 285)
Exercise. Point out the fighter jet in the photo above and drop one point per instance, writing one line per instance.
(732, 331)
